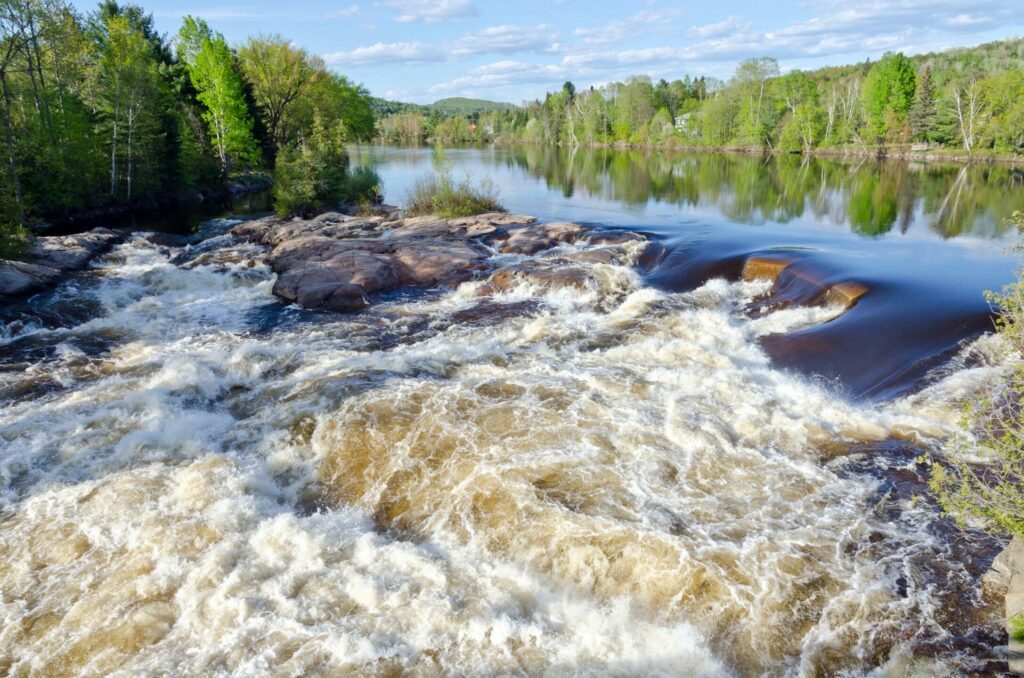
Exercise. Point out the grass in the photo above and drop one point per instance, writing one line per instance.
(433, 195)
(439, 195)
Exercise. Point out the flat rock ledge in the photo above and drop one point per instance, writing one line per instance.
(51, 258)
(1007, 574)
(340, 263)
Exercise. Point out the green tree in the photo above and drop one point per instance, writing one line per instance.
(888, 95)
(219, 88)
(923, 111)
(757, 112)
(129, 96)
(993, 431)
(279, 74)
(1003, 99)
(311, 175)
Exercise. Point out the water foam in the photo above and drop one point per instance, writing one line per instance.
(601, 479)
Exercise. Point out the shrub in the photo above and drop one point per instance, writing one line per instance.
(993, 431)
(438, 194)
(14, 239)
(362, 186)
(314, 175)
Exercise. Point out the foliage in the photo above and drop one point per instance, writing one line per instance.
(888, 94)
(923, 112)
(99, 109)
(460, 106)
(438, 194)
(279, 75)
(219, 88)
(981, 475)
(310, 176)
(889, 103)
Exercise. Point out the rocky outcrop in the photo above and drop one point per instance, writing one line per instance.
(340, 263)
(1007, 574)
(51, 257)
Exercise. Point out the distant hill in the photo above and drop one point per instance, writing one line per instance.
(443, 108)
(462, 106)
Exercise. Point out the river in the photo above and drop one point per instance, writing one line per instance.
(675, 470)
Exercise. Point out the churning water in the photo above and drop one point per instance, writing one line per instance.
(195, 479)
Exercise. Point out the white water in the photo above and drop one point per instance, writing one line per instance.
(613, 480)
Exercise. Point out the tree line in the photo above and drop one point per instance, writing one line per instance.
(100, 109)
(970, 99)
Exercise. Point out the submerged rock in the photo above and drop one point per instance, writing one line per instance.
(545, 277)
(530, 240)
(51, 257)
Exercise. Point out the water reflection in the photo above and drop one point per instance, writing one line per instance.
(870, 197)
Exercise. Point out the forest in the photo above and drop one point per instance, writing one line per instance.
(969, 99)
(101, 111)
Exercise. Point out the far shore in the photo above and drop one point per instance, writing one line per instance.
(936, 155)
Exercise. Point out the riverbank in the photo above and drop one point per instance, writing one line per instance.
(949, 156)
(51, 258)
(235, 188)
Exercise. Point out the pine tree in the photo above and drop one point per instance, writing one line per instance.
(922, 112)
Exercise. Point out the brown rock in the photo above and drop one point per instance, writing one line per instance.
(435, 262)
(255, 230)
(764, 268)
(600, 255)
(846, 293)
(494, 219)
(613, 237)
(338, 263)
(547, 278)
(338, 283)
(533, 239)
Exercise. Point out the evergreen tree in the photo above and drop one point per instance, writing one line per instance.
(922, 112)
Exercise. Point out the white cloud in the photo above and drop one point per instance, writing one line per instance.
(493, 40)
(387, 53)
(657, 42)
(720, 29)
(431, 11)
(967, 20)
(506, 40)
(345, 13)
(638, 25)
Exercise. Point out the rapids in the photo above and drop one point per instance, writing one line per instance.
(197, 479)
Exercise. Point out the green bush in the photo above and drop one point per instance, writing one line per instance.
(14, 239)
(993, 430)
(311, 176)
(362, 186)
(438, 194)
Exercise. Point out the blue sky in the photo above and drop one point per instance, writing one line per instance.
(423, 50)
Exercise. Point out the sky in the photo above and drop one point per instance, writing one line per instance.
(516, 50)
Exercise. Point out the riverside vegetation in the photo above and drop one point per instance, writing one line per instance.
(100, 111)
(968, 101)
(993, 492)
(439, 194)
